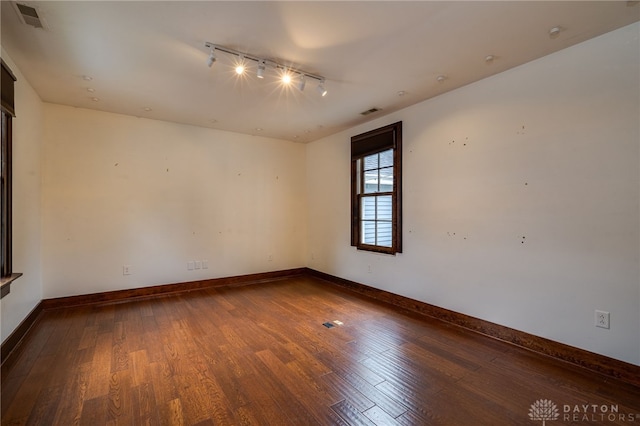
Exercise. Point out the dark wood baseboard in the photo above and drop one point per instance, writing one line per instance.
(12, 342)
(158, 290)
(14, 339)
(594, 362)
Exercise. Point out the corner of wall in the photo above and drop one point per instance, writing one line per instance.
(26, 291)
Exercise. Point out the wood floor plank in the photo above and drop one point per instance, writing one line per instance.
(384, 401)
(380, 417)
(10, 387)
(94, 412)
(284, 388)
(315, 382)
(154, 344)
(45, 406)
(262, 401)
(172, 414)
(343, 365)
(419, 401)
(351, 414)
(119, 353)
(218, 404)
(89, 337)
(346, 391)
(72, 401)
(98, 383)
(260, 355)
(162, 377)
(417, 381)
(29, 390)
(301, 390)
(119, 407)
(309, 362)
(29, 349)
(143, 405)
(139, 368)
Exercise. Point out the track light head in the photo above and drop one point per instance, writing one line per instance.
(212, 58)
(323, 92)
(302, 82)
(261, 68)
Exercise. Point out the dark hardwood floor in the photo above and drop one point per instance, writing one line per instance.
(260, 355)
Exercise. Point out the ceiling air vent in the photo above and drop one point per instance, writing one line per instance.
(370, 111)
(29, 16)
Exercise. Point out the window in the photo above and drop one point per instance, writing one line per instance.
(376, 190)
(7, 108)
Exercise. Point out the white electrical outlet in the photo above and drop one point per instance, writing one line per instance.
(205, 264)
(602, 319)
(190, 265)
(127, 270)
(198, 264)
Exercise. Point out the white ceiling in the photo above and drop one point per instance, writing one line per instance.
(151, 54)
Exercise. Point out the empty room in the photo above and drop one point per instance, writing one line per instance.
(320, 213)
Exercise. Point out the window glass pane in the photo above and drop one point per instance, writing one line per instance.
(371, 162)
(386, 179)
(371, 181)
(369, 208)
(384, 210)
(384, 234)
(386, 158)
(368, 232)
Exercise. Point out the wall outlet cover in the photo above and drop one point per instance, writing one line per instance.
(602, 319)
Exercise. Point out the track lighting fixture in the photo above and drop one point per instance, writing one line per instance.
(287, 74)
(302, 81)
(212, 58)
(321, 89)
(261, 68)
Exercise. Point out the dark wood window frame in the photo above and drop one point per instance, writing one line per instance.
(7, 276)
(368, 144)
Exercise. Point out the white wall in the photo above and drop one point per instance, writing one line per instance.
(121, 190)
(548, 151)
(552, 154)
(26, 292)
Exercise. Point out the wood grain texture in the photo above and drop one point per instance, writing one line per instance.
(14, 339)
(260, 355)
(597, 363)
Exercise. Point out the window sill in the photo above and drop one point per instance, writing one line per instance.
(5, 284)
(377, 249)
